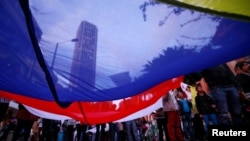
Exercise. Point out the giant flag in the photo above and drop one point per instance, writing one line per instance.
(91, 59)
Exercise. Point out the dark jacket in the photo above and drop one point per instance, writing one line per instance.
(244, 81)
(203, 104)
(220, 76)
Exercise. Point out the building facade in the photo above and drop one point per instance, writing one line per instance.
(83, 68)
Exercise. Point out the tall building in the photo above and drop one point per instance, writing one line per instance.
(83, 67)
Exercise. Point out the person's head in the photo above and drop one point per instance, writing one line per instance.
(199, 90)
(241, 67)
(180, 94)
(153, 115)
(237, 69)
(198, 87)
(188, 89)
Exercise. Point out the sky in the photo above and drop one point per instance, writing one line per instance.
(125, 41)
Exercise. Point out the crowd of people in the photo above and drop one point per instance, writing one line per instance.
(226, 103)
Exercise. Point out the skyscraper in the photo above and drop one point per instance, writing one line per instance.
(84, 58)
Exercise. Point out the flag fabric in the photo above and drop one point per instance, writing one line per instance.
(234, 8)
(100, 112)
(187, 90)
(92, 59)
